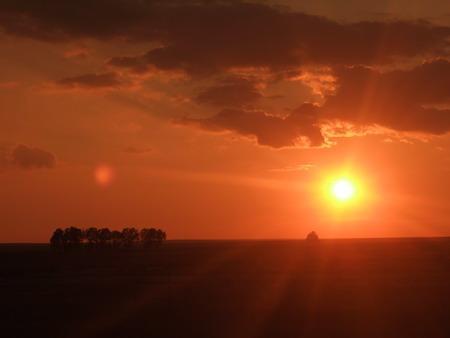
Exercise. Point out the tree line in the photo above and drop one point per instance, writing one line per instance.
(104, 237)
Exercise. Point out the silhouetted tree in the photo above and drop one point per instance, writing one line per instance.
(104, 236)
(152, 236)
(160, 236)
(57, 239)
(73, 236)
(92, 236)
(148, 237)
(130, 236)
(116, 238)
(144, 236)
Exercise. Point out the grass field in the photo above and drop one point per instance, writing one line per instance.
(338, 288)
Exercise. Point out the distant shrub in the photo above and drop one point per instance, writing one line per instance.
(312, 237)
(92, 237)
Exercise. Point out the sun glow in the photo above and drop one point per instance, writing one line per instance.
(343, 189)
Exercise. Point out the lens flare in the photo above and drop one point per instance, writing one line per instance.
(104, 175)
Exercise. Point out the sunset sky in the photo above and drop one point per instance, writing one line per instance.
(224, 119)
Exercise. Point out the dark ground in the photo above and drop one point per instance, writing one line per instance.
(277, 289)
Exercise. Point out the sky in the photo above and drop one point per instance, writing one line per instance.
(224, 119)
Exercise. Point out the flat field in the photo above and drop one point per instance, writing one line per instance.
(381, 288)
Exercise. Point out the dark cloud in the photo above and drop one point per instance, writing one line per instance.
(412, 100)
(31, 157)
(134, 64)
(231, 92)
(91, 81)
(206, 37)
(55, 20)
(269, 130)
(206, 47)
(400, 100)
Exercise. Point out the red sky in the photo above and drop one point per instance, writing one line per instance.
(224, 119)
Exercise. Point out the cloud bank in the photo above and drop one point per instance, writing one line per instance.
(212, 39)
(26, 157)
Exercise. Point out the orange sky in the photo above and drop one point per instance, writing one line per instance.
(224, 120)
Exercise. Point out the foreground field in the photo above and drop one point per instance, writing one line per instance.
(276, 289)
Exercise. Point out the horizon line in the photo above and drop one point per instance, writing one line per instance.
(264, 239)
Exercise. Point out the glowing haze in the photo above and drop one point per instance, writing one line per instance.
(225, 119)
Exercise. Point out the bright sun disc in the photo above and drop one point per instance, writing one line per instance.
(343, 189)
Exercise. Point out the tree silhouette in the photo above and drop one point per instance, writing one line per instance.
(152, 236)
(116, 238)
(130, 236)
(144, 236)
(147, 237)
(57, 239)
(160, 236)
(104, 237)
(92, 236)
(73, 236)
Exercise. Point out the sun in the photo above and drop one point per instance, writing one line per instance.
(343, 189)
(345, 192)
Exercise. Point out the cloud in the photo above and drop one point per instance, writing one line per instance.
(414, 100)
(32, 157)
(77, 53)
(231, 92)
(295, 168)
(269, 130)
(211, 39)
(207, 47)
(403, 100)
(54, 20)
(4, 156)
(9, 85)
(204, 38)
(136, 150)
(91, 81)
(134, 64)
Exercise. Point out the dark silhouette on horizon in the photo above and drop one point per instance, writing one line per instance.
(73, 237)
(312, 237)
